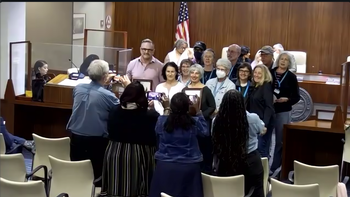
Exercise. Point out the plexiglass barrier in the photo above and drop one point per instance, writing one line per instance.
(59, 58)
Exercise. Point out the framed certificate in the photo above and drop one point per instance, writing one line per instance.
(147, 84)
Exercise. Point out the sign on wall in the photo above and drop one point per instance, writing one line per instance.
(108, 22)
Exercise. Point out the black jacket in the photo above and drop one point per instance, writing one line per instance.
(289, 88)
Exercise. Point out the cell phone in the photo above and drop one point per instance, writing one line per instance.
(154, 95)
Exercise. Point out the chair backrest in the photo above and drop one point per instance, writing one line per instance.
(56, 147)
(12, 167)
(27, 189)
(214, 186)
(348, 60)
(224, 53)
(300, 59)
(346, 150)
(280, 189)
(72, 177)
(162, 194)
(2, 144)
(327, 177)
(265, 163)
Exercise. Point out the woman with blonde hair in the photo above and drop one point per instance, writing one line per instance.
(261, 103)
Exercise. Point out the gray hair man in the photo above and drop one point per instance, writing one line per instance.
(88, 122)
(233, 53)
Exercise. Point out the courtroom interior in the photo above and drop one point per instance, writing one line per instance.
(199, 99)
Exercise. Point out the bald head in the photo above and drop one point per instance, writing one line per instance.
(233, 52)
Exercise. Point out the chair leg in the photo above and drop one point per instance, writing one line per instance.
(341, 170)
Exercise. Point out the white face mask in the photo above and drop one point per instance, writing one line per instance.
(220, 74)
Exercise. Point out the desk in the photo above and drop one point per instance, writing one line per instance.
(311, 142)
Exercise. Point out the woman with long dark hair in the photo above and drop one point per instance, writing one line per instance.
(129, 157)
(39, 79)
(235, 142)
(178, 170)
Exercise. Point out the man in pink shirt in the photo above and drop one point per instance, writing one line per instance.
(146, 66)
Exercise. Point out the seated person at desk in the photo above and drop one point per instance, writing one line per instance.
(12, 142)
(39, 79)
(86, 63)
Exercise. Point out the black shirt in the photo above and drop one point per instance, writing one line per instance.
(134, 126)
(286, 85)
(261, 102)
(246, 92)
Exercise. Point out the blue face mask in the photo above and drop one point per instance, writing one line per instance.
(198, 55)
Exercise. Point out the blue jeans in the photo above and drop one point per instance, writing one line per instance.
(265, 140)
(8, 137)
(281, 119)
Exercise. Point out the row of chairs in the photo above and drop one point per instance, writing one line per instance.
(52, 165)
(309, 181)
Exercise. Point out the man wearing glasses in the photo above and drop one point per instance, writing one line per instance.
(233, 53)
(146, 66)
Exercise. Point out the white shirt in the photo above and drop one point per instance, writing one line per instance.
(169, 93)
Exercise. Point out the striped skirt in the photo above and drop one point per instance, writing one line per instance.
(127, 169)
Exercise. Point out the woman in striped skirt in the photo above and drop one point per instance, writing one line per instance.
(129, 158)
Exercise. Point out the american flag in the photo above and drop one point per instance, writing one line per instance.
(183, 23)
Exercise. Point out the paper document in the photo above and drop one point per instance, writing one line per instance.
(69, 82)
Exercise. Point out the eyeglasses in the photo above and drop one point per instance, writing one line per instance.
(234, 52)
(145, 50)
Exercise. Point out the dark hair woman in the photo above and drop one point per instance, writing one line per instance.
(86, 63)
(129, 157)
(39, 79)
(178, 170)
(244, 82)
(235, 142)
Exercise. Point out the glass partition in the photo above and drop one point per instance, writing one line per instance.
(61, 58)
(19, 58)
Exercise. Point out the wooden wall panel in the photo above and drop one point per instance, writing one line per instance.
(146, 20)
(321, 29)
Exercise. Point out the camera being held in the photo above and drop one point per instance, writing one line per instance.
(193, 101)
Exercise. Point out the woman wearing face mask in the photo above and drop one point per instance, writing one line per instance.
(261, 103)
(243, 83)
(221, 84)
(184, 70)
(198, 49)
(209, 65)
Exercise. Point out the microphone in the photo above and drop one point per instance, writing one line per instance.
(75, 75)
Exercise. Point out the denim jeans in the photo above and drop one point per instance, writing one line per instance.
(265, 140)
(281, 119)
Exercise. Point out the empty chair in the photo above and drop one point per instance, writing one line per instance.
(327, 177)
(214, 186)
(164, 195)
(300, 59)
(23, 189)
(280, 189)
(56, 147)
(73, 177)
(265, 163)
(2, 144)
(13, 168)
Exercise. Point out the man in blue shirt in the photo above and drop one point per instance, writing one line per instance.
(88, 122)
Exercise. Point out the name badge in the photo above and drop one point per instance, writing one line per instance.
(277, 91)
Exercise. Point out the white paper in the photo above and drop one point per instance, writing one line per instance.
(69, 82)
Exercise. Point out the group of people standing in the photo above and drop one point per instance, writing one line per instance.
(164, 145)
